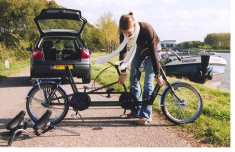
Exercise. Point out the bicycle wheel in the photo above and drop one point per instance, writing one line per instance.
(185, 110)
(47, 97)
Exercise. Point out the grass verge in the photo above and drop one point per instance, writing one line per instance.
(212, 127)
(14, 68)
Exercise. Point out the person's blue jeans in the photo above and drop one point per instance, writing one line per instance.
(145, 111)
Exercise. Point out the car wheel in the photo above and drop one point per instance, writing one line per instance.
(86, 79)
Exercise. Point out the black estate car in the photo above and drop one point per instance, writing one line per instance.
(60, 45)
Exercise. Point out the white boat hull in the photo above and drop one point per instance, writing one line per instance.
(199, 69)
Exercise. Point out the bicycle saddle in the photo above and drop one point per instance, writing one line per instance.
(15, 122)
(42, 121)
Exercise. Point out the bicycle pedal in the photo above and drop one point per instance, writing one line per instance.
(109, 91)
(86, 88)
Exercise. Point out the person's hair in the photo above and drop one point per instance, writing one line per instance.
(126, 21)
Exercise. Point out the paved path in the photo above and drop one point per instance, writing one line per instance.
(102, 127)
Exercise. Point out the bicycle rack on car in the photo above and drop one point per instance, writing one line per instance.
(19, 124)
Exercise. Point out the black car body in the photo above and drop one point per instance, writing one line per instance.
(60, 45)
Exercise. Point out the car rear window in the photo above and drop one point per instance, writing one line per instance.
(59, 49)
(60, 24)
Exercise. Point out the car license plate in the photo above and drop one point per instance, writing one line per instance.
(62, 67)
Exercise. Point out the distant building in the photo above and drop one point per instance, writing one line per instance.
(166, 44)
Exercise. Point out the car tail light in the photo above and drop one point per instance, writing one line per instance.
(37, 53)
(85, 54)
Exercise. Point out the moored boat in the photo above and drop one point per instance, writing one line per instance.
(199, 67)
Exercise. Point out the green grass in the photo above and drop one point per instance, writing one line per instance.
(14, 68)
(212, 127)
(96, 54)
(222, 51)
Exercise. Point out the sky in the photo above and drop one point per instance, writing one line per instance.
(180, 20)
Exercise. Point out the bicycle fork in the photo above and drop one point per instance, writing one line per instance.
(175, 97)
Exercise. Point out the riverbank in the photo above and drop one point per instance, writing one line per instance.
(225, 82)
(217, 51)
(226, 51)
(221, 51)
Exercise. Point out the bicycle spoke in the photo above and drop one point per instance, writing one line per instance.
(36, 99)
(175, 104)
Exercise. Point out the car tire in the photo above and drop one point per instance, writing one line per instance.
(86, 79)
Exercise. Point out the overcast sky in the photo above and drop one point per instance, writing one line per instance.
(180, 20)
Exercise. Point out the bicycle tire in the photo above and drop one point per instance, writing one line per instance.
(36, 105)
(188, 109)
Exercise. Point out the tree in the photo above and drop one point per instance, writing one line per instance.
(218, 40)
(16, 19)
(108, 31)
(90, 35)
(190, 44)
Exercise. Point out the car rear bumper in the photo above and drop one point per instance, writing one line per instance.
(80, 71)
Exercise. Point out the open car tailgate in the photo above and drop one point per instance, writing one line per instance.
(52, 17)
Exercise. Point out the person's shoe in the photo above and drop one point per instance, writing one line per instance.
(130, 116)
(142, 122)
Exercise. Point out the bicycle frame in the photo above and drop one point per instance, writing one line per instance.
(109, 91)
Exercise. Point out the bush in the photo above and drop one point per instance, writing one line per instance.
(13, 54)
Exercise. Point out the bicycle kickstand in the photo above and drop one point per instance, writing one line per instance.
(124, 114)
(75, 116)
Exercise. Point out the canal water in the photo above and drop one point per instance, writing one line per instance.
(225, 83)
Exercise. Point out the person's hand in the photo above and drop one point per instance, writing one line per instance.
(160, 81)
(122, 79)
